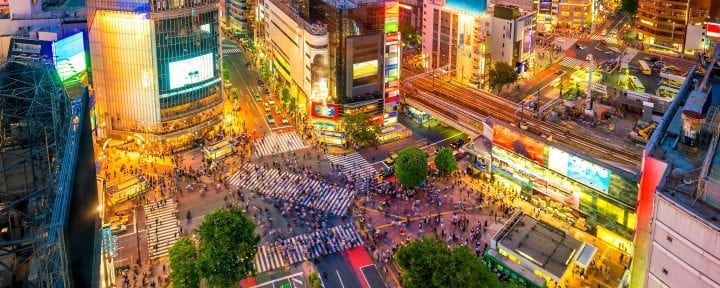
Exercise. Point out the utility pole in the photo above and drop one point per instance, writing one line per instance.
(588, 102)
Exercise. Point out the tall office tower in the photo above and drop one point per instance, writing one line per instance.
(156, 70)
(680, 186)
(662, 24)
(337, 58)
(455, 37)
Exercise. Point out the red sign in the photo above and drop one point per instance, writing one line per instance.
(519, 144)
(713, 30)
(331, 111)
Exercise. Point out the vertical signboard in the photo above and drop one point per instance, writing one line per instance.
(391, 69)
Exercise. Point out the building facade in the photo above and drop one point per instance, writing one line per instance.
(237, 14)
(664, 24)
(333, 55)
(568, 15)
(156, 71)
(455, 36)
(512, 36)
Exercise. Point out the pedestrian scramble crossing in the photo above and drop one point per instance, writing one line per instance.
(295, 188)
(274, 143)
(355, 164)
(610, 40)
(162, 228)
(230, 49)
(573, 63)
(306, 246)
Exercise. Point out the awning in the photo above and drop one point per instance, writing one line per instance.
(586, 255)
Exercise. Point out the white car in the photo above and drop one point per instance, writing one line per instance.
(271, 101)
(284, 120)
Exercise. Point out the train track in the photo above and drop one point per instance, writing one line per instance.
(487, 104)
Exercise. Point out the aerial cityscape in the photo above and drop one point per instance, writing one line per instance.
(360, 143)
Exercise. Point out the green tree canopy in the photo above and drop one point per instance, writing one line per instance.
(411, 166)
(314, 280)
(429, 263)
(360, 128)
(183, 264)
(227, 247)
(501, 74)
(629, 6)
(445, 161)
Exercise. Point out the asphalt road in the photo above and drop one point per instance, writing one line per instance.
(336, 272)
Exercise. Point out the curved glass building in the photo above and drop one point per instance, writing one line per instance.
(156, 71)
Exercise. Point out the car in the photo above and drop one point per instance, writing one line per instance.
(457, 143)
(391, 158)
(257, 97)
(260, 82)
(460, 155)
(603, 41)
(266, 91)
(270, 119)
(660, 64)
(284, 120)
(578, 46)
(276, 109)
(266, 107)
(271, 101)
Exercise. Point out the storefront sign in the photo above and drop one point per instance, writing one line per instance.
(329, 111)
(578, 169)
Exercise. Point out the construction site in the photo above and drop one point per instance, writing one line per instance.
(48, 200)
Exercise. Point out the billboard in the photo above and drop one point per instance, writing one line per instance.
(519, 144)
(713, 30)
(329, 111)
(365, 69)
(70, 56)
(578, 169)
(189, 71)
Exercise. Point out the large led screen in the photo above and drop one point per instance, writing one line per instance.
(578, 169)
(189, 71)
(365, 69)
(70, 56)
(519, 144)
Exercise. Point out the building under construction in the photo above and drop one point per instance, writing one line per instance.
(48, 201)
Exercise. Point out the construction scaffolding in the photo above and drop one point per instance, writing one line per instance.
(38, 150)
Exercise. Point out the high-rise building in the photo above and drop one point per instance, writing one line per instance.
(663, 24)
(332, 56)
(455, 35)
(512, 36)
(568, 15)
(237, 14)
(156, 70)
(680, 185)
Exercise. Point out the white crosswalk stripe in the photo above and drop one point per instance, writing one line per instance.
(295, 188)
(306, 246)
(610, 40)
(356, 165)
(162, 228)
(275, 143)
(573, 63)
(231, 50)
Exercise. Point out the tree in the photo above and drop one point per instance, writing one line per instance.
(445, 161)
(411, 166)
(227, 247)
(501, 74)
(314, 280)
(183, 264)
(286, 95)
(629, 6)
(430, 263)
(360, 128)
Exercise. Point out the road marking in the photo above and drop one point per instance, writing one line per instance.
(277, 280)
(341, 282)
(443, 140)
(363, 273)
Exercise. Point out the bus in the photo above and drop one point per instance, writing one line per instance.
(636, 85)
(623, 81)
(644, 67)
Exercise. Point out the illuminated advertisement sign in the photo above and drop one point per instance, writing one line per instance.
(391, 68)
(329, 111)
(713, 30)
(519, 144)
(365, 69)
(70, 56)
(189, 71)
(578, 169)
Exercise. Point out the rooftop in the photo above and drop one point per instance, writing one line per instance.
(692, 161)
(539, 243)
